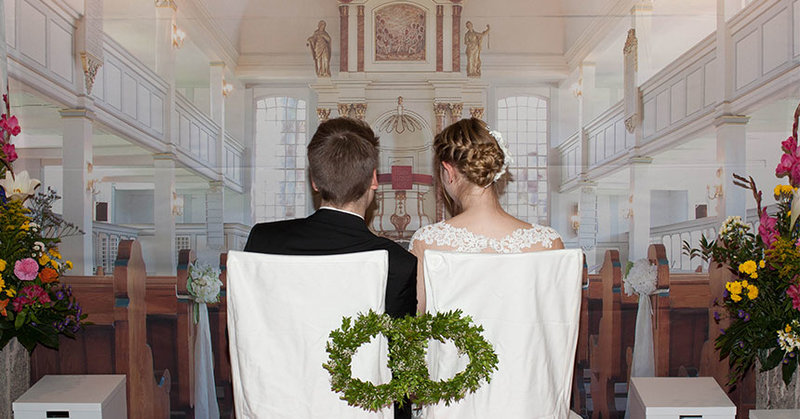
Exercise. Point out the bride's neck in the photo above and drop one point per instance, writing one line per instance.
(479, 199)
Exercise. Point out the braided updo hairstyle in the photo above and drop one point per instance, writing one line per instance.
(468, 146)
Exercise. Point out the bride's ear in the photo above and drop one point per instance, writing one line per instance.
(450, 172)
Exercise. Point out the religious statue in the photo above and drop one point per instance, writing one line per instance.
(320, 44)
(473, 40)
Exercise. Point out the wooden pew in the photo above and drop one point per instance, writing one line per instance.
(590, 287)
(609, 349)
(117, 341)
(171, 331)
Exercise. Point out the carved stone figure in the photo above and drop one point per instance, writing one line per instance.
(320, 44)
(473, 40)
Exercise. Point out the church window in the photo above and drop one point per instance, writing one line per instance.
(280, 181)
(523, 122)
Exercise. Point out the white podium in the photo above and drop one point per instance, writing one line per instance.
(775, 414)
(74, 397)
(679, 397)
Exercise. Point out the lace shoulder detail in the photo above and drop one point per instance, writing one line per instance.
(462, 240)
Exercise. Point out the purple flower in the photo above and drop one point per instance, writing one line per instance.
(741, 313)
(722, 331)
(746, 317)
(716, 315)
(26, 269)
(741, 344)
(725, 294)
(60, 295)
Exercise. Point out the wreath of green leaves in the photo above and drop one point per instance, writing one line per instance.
(408, 342)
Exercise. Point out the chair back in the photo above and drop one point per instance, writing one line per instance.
(281, 310)
(529, 306)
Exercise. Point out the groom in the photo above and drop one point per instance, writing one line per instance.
(343, 162)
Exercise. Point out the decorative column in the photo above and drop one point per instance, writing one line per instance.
(344, 35)
(215, 215)
(632, 99)
(164, 217)
(77, 194)
(476, 113)
(639, 215)
(217, 105)
(456, 110)
(344, 109)
(456, 38)
(360, 39)
(732, 158)
(360, 110)
(440, 110)
(323, 114)
(440, 38)
(90, 42)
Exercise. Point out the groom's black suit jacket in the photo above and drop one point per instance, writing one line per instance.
(330, 232)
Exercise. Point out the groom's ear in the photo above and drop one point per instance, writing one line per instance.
(374, 184)
(314, 186)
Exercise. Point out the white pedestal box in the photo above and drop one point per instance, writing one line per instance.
(775, 414)
(679, 398)
(74, 397)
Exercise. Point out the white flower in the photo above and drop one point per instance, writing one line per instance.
(642, 279)
(203, 283)
(19, 187)
(507, 159)
(732, 224)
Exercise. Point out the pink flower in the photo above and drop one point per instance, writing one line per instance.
(794, 293)
(26, 269)
(37, 293)
(790, 161)
(767, 231)
(10, 125)
(10, 151)
(19, 303)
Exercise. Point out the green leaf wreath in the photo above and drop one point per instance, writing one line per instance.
(408, 343)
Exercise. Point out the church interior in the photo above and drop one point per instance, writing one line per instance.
(182, 123)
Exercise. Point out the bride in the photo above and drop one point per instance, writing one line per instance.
(470, 160)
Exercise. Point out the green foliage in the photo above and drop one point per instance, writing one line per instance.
(408, 342)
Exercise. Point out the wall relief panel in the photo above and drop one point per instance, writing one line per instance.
(400, 33)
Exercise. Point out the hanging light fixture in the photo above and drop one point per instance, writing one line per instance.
(178, 35)
(227, 88)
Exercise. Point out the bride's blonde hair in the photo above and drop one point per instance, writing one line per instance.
(468, 146)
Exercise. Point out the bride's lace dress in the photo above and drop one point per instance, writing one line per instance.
(443, 236)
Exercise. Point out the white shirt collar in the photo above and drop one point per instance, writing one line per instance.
(341, 210)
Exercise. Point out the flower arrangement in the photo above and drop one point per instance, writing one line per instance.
(203, 284)
(641, 278)
(762, 305)
(35, 307)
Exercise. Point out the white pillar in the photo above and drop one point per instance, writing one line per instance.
(732, 158)
(642, 22)
(76, 161)
(248, 158)
(725, 62)
(165, 64)
(215, 215)
(639, 201)
(164, 218)
(587, 231)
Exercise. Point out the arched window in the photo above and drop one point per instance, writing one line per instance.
(279, 182)
(523, 122)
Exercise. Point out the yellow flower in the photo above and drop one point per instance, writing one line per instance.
(736, 298)
(777, 190)
(748, 267)
(11, 292)
(752, 292)
(68, 264)
(44, 259)
(2, 265)
(762, 264)
(783, 190)
(734, 287)
(25, 226)
(787, 329)
(54, 253)
(745, 284)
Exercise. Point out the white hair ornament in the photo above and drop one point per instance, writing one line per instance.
(507, 159)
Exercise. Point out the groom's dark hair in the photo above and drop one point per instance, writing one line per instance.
(342, 155)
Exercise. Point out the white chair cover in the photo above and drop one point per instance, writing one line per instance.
(281, 310)
(529, 307)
